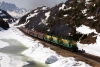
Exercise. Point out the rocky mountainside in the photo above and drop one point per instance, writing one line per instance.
(3, 25)
(63, 19)
(5, 18)
(13, 10)
(4, 14)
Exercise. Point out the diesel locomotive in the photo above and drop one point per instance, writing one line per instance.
(63, 42)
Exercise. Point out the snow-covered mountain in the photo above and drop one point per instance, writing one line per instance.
(13, 10)
(5, 18)
(4, 14)
(75, 19)
(63, 19)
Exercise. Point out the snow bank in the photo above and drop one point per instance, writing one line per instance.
(39, 53)
(85, 30)
(93, 49)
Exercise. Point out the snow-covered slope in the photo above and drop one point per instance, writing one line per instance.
(36, 51)
(13, 10)
(92, 48)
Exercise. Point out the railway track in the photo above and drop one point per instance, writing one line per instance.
(89, 56)
(79, 55)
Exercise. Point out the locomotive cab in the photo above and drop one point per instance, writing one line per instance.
(73, 45)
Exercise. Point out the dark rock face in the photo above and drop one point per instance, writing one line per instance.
(4, 24)
(4, 14)
(90, 39)
(7, 17)
(65, 18)
(35, 22)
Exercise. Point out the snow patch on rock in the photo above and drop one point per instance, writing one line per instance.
(62, 7)
(85, 30)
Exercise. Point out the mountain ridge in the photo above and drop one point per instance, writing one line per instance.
(63, 19)
(13, 10)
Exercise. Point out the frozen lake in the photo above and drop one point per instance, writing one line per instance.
(14, 50)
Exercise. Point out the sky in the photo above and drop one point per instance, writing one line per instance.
(32, 4)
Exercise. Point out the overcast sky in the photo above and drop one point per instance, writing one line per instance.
(32, 4)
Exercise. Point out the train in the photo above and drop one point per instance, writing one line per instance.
(62, 42)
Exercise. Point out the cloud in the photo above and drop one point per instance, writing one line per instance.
(32, 4)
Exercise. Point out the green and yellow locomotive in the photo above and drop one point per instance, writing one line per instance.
(63, 42)
(69, 44)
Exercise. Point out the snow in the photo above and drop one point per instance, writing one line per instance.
(44, 8)
(84, 11)
(25, 23)
(47, 15)
(65, 15)
(85, 29)
(62, 7)
(94, 5)
(35, 11)
(43, 21)
(68, 8)
(6, 61)
(15, 14)
(3, 44)
(87, 2)
(93, 49)
(2, 15)
(5, 19)
(0, 11)
(31, 15)
(36, 51)
(48, 30)
(68, 62)
(46, 53)
(91, 17)
(18, 12)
